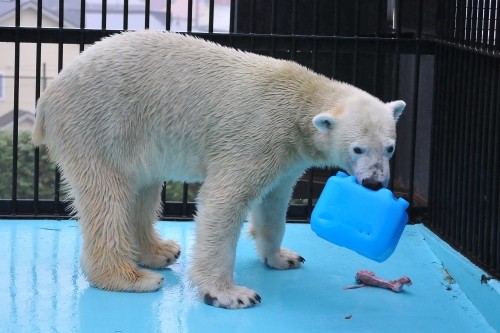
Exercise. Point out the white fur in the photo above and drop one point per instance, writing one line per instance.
(139, 108)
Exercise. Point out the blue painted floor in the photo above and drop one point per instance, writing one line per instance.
(43, 290)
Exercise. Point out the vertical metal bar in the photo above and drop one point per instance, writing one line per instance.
(468, 24)
(335, 41)
(232, 10)
(497, 29)
(414, 121)
(395, 76)
(398, 18)
(471, 155)
(82, 25)
(436, 153)
(491, 26)
(445, 140)
(485, 21)
(103, 14)
(450, 20)
(447, 136)
(479, 140)
(38, 64)
(462, 153)
(168, 18)
(485, 176)
(164, 199)
(474, 22)
(293, 47)
(252, 16)
(190, 16)
(184, 199)
(310, 192)
(460, 22)
(211, 6)
(125, 15)
(489, 152)
(495, 248)
(314, 33)
(444, 23)
(479, 23)
(335, 49)
(273, 27)
(377, 51)
(252, 25)
(459, 77)
(15, 129)
(61, 15)
(434, 134)
(456, 26)
(476, 149)
(448, 143)
(453, 178)
(147, 11)
(310, 181)
(443, 125)
(356, 46)
(60, 56)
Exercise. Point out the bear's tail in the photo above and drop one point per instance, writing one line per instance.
(38, 135)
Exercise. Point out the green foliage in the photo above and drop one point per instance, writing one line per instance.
(25, 168)
(174, 191)
(26, 172)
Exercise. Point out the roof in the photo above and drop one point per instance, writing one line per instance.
(8, 9)
(7, 119)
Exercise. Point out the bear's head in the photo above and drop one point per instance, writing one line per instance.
(359, 136)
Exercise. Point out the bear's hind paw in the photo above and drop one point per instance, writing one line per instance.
(284, 259)
(161, 256)
(147, 281)
(233, 298)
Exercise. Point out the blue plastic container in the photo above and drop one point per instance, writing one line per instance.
(365, 221)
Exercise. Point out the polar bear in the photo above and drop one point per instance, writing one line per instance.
(139, 108)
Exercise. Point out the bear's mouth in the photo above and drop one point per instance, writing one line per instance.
(372, 184)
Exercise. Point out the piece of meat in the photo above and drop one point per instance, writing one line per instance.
(366, 278)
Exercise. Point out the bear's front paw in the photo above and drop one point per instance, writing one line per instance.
(161, 255)
(284, 259)
(234, 297)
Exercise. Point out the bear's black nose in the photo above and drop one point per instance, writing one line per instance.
(372, 184)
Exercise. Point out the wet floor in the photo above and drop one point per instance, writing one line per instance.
(43, 290)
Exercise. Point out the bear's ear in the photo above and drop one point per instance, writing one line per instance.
(323, 122)
(397, 108)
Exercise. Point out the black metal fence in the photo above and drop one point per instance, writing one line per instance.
(441, 57)
(465, 182)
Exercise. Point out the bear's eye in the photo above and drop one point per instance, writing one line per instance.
(390, 149)
(357, 150)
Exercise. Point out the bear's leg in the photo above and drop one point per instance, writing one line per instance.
(267, 227)
(221, 210)
(154, 252)
(104, 200)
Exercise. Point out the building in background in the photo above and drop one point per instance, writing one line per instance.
(114, 20)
